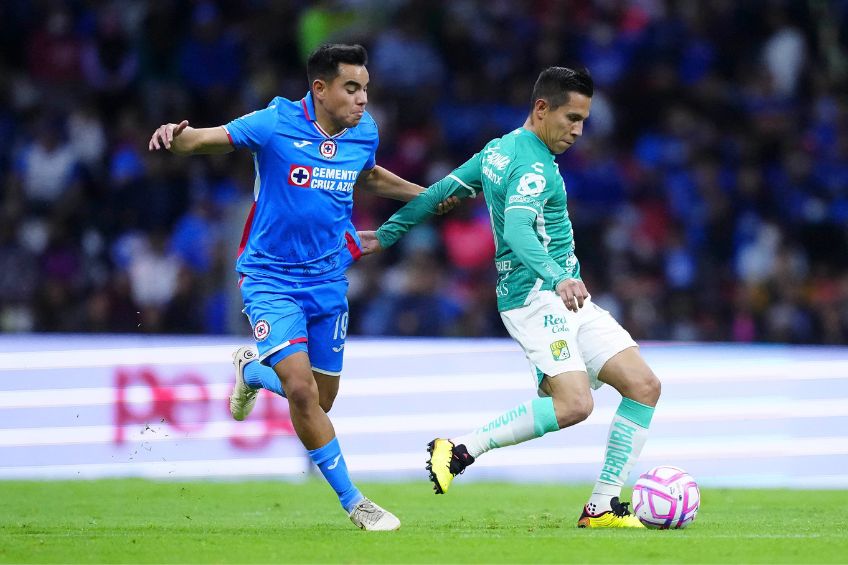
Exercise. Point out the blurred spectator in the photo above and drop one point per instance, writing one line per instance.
(19, 274)
(406, 41)
(784, 52)
(709, 196)
(417, 306)
(47, 168)
(55, 48)
(109, 61)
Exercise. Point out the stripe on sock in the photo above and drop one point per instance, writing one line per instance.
(544, 416)
(638, 413)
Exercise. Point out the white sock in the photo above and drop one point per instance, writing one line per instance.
(526, 421)
(627, 436)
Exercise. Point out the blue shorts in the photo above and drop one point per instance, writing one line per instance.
(288, 317)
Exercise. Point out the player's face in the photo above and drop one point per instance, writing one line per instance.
(564, 125)
(344, 98)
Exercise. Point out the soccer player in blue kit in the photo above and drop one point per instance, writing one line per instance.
(298, 241)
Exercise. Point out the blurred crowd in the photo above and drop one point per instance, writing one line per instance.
(709, 194)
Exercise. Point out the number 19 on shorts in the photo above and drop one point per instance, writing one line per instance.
(340, 329)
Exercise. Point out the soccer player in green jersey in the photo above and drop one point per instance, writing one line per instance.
(573, 345)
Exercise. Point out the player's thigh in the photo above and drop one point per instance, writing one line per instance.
(328, 389)
(630, 375)
(600, 339)
(327, 322)
(277, 317)
(547, 332)
(295, 373)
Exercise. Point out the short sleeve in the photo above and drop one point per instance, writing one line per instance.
(372, 157)
(253, 130)
(527, 188)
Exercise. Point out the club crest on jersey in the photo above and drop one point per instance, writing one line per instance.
(329, 148)
(261, 330)
(300, 175)
(559, 349)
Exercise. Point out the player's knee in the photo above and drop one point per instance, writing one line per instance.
(302, 394)
(583, 408)
(648, 389)
(655, 388)
(574, 410)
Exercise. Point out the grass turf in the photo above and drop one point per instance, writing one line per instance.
(135, 521)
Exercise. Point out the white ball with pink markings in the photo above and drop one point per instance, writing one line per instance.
(666, 497)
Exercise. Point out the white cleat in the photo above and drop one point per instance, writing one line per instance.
(368, 516)
(243, 398)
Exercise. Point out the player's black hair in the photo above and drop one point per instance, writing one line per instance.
(324, 62)
(555, 84)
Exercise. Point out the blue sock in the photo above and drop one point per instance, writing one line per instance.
(257, 375)
(332, 465)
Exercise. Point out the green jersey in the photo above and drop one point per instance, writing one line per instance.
(525, 194)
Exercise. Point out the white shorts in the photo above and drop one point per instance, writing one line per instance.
(557, 340)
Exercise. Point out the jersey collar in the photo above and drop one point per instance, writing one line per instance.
(307, 105)
(528, 133)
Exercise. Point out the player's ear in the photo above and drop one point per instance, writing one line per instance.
(541, 107)
(319, 87)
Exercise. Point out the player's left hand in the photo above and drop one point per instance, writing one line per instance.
(447, 205)
(573, 293)
(369, 242)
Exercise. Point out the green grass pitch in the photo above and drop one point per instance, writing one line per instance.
(135, 521)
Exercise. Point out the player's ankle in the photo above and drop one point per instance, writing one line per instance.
(599, 503)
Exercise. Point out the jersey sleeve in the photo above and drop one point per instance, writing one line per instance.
(372, 157)
(253, 130)
(459, 183)
(525, 199)
(469, 175)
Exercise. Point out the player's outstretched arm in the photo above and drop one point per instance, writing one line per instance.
(181, 139)
(416, 211)
(386, 184)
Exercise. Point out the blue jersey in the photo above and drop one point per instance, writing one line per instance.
(300, 225)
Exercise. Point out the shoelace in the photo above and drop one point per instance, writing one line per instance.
(368, 511)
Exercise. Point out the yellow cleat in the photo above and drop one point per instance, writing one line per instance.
(446, 461)
(618, 517)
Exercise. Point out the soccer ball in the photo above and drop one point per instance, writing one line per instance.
(666, 497)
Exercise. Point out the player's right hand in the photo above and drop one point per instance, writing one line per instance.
(369, 242)
(165, 135)
(447, 205)
(573, 293)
